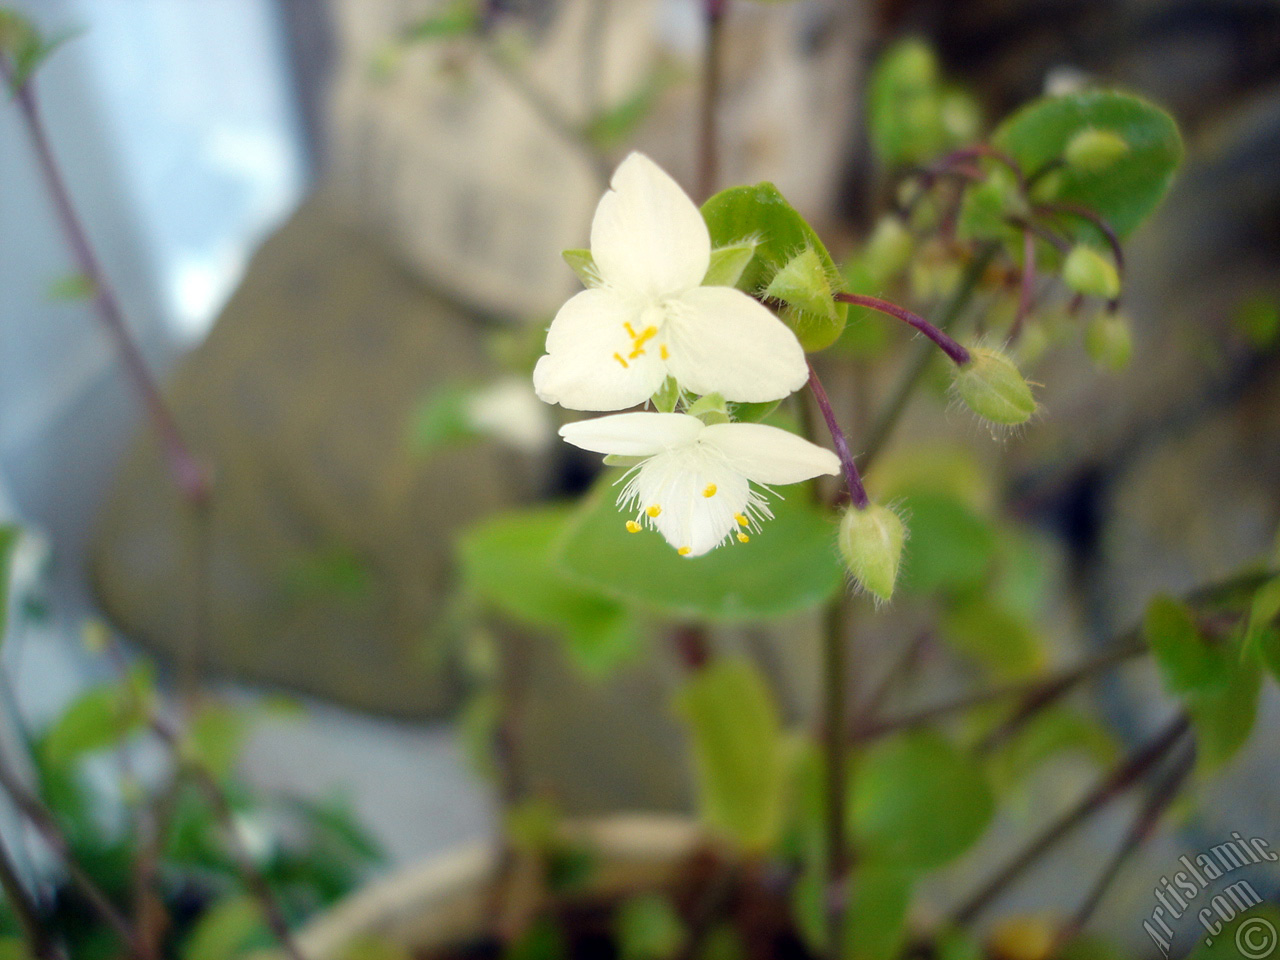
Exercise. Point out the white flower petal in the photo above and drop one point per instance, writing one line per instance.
(634, 434)
(591, 361)
(647, 237)
(692, 499)
(769, 455)
(722, 341)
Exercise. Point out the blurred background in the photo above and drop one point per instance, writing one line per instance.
(319, 214)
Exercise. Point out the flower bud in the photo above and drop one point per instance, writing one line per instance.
(991, 386)
(871, 542)
(1094, 150)
(1109, 340)
(1089, 272)
(803, 283)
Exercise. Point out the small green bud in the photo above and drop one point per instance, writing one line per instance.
(804, 283)
(961, 116)
(1089, 272)
(991, 386)
(1094, 150)
(871, 542)
(888, 249)
(1109, 340)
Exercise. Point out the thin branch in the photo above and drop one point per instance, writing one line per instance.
(892, 412)
(1121, 779)
(712, 65)
(853, 480)
(24, 908)
(1159, 798)
(954, 351)
(1027, 287)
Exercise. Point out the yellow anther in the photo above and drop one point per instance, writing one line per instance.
(633, 527)
(648, 333)
(664, 352)
(654, 510)
(742, 537)
(710, 490)
(685, 551)
(742, 521)
(630, 330)
(618, 357)
(637, 352)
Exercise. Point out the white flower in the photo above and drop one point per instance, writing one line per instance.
(694, 484)
(508, 411)
(612, 346)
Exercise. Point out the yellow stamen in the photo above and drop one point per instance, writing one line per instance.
(654, 510)
(633, 527)
(685, 551)
(742, 521)
(630, 330)
(618, 357)
(664, 352)
(710, 491)
(742, 537)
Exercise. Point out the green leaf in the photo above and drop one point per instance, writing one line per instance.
(14, 948)
(754, 412)
(1263, 628)
(919, 802)
(1223, 716)
(507, 561)
(878, 902)
(1003, 642)
(1249, 935)
(582, 263)
(728, 263)
(949, 546)
(441, 419)
(1258, 319)
(648, 928)
(20, 40)
(789, 566)
(664, 401)
(1050, 733)
(9, 536)
(738, 750)
(544, 939)
(1127, 190)
(217, 735)
(905, 105)
(100, 718)
(458, 18)
(227, 930)
(1187, 662)
(986, 206)
(760, 215)
(74, 286)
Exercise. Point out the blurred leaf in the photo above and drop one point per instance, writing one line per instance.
(227, 930)
(1187, 661)
(878, 902)
(1051, 733)
(738, 750)
(1255, 927)
(723, 942)
(20, 40)
(648, 928)
(919, 802)
(791, 565)
(456, 19)
(949, 547)
(1258, 319)
(74, 286)
(373, 947)
(1003, 642)
(14, 948)
(507, 560)
(216, 735)
(332, 572)
(617, 124)
(441, 419)
(477, 727)
(100, 718)
(951, 471)
(543, 940)
(1126, 191)
(334, 827)
(1223, 716)
(905, 105)
(760, 215)
(986, 207)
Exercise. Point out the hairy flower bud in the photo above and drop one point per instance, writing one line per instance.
(871, 542)
(1094, 150)
(1109, 340)
(1089, 272)
(991, 386)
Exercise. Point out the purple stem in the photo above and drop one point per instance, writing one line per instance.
(852, 479)
(958, 354)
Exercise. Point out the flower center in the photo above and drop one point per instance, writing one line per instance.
(641, 332)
